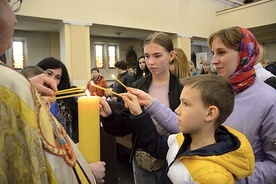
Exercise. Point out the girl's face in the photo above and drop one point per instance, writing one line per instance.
(191, 66)
(191, 112)
(224, 59)
(157, 58)
(54, 74)
(142, 64)
(206, 67)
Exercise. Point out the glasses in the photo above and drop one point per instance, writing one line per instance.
(16, 6)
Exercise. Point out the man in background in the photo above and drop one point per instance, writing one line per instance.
(96, 79)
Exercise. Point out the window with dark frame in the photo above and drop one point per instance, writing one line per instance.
(18, 55)
(106, 55)
(112, 56)
(99, 55)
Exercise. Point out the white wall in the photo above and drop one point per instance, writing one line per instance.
(191, 17)
(250, 15)
(38, 45)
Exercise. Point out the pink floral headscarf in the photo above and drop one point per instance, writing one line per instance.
(249, 51)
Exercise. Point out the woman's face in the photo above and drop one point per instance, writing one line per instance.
(142, 64)
(157, 58)
(224, 59)
(54, 74)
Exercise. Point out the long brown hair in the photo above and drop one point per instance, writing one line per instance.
(181, 64)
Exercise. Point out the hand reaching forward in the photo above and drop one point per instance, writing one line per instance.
(105, 109)
(44, 84)
(131, 102)
(144, 98)
(98, 169)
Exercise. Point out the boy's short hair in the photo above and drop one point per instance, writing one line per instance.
(121, 65)
(95, 69)
(31, 71)
(215, 90)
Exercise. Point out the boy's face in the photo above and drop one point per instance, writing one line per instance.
(95, 73)
(191, 112)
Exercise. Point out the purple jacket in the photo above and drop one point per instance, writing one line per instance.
(164, 116)
(254, 115)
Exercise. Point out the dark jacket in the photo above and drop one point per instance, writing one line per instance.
(271, 81)
(127, 80)
(272, 68)
(119, 124)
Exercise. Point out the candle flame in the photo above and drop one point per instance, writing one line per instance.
(113, 76)
(87, 92)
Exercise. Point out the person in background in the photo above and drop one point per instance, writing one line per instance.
(235, 51)
(66, 110)
(34, 148)
(204, 151)
(141, 68)
(31, 71)
(193, 71)
(271, 67)
(132, 72)
(179, 66)
(96, 79)
(265, 75)
(124, 77)
(206, 68)
(161, 84)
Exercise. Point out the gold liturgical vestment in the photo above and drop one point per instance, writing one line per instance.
(34, 148)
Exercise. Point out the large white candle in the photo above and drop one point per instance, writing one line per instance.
(89, 127)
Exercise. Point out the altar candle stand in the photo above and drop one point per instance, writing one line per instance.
(89, 127)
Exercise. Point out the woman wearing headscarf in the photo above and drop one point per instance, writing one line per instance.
(235, 51)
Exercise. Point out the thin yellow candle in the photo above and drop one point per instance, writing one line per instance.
(89, 127)
(105, 89)
(69, 90)
(120, 82)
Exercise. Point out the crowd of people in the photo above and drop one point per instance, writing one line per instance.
(186, 127)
